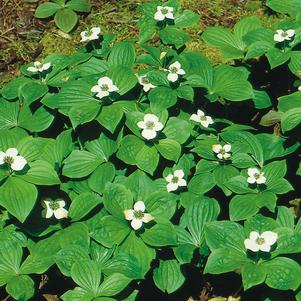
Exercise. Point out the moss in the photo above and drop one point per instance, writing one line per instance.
(53, 42)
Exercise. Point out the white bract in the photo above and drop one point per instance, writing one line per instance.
(104, 87)
(164, 12)
(175, 180)
(175, 70)
(39, 67)
(90, 35)
(11, 158)
(256, 176)
(299, 88)
(56, 208)
(150, 126)
(201, 118)
(261, 242)
(222, 151)
(137, 216)
(144, 81)
(282, 35)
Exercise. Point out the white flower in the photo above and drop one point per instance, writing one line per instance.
(164, 12)
(11, 158)
(137, 215)
(261, 242)
(56, 208)
(150, 126)
(222, 151)
(299, 88)
(104, 87)
(90, 35)
(39, 67)
(282, 35)
(144, 81)
(255, 176)
(200, 117)
(175, 70)
(175, 180)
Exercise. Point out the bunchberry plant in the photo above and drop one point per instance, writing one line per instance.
(65, 13)
(133, 160)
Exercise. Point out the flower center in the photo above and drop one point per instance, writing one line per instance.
(8, 160)
(164, 11)
(54, 205)
(203, 118)
(260, 241)
(145, 80)
(104, 87)
(173, 69)
(175, 180)
(284, 34)
(257, 176)
(138, 214)
(150, 125)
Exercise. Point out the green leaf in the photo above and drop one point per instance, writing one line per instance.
(79, 5)
(129, 149)
(274, 171)
(252, 144)
(32, 91)
(169, 149)
(83, 112)
(161, 205)
(65, 19)
(160, 235)
(173, 36)
(112, 231)
(231, 46)
(288, 102)
(18, 197)
(243, 207)
(198, 214)
(245, 25)
(113, 285)
(78, 294)
(116, 199)
(168, 276)
(185, 92)
(222, 173)
(82, 204)
(10, 260)
(253, 274)
(135, 247)
(66, 257)
(21, 287)
(122, 54)
(162, 98)
(41, 173)
(86, 273)
(225, 234)
(276, 57)
(148, 159)
(177, 129)
(103, 174)
(283, 273)
(110, 117)
(80, 164)
(123, 78)
(224, 260)
(46, 10)
(285, 217)
(239, 185)
(186, 19)
(230, 83)
(290, 119)
(201, 183)
(279, 186)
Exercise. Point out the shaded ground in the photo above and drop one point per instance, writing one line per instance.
(24, 38)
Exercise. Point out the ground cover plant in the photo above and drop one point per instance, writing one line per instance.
(127, 164)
